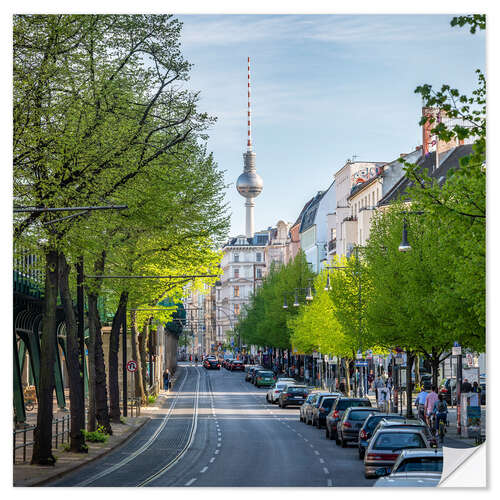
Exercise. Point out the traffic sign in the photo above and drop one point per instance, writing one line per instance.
(361, 362)
(456, 351)
(132, 366)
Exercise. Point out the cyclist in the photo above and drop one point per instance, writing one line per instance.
(432, 397)
(420, 403)
(441, 411)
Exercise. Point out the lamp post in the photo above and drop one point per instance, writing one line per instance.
(405, 245)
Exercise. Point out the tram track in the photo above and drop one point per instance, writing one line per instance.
(135, 454)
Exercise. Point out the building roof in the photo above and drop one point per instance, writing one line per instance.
(259, 239)
(309, 214)
(449, 160)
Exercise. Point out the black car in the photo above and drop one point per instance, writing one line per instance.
(337, 412)
(321, 408)
(292, 395)
(366, 431)
(350, 424)
(211, 364)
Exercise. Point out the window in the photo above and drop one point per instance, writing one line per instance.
(258, 273)
(218, 295)
(236, 257)
(236, 291)
(236, 309)
(236, 272)
(259, 257)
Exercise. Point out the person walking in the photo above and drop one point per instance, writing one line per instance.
(475, 398)
(166, 379)
(379, 384)
(420, 404)
(466, 387)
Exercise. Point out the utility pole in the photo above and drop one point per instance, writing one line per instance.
(80, 320)
(124, 361)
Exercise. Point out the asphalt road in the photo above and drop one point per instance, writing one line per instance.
(220, 431)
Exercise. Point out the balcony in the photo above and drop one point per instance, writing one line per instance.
(350, 218)
(332, 245)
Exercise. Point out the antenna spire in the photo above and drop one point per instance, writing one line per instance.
(249, 142)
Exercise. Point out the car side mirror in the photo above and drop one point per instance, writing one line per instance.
(382, 471)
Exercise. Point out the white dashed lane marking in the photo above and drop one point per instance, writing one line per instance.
(316, 451)
(212, 460)
(190, 482)
(325, 470)
(321, 461)
(329, 482)
(217, 452)
(202, 471)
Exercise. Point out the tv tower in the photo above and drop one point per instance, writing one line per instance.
(249, 183)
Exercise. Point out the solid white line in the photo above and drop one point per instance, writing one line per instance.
(202, 471)
(329, 482)
(212, 460)
(326, 470)
(190, 482)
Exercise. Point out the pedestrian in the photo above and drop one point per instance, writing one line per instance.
(166, 377)
(440, 409)
(420, 404)
(466, 387)
(379, 384)
(429, 404)
(371, 378)
(342, 386)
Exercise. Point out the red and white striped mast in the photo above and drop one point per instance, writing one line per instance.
(249, 183)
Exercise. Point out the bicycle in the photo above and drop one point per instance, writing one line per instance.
(442, 430)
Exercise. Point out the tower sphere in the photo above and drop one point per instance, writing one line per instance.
(249, 184)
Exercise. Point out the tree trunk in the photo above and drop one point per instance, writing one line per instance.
(139, 387)
(101, 392)
(76, 397)
(410, 356)
(114, 347)
(347, 377)
(143, 342)
(435, 367)
(42, 447)
(171, 351)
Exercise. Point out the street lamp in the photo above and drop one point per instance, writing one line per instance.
(405, 246)
(285, 305)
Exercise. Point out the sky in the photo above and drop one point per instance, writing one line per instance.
(324, 88)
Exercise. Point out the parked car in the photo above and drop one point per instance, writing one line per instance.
(211, 364)
(274, 393)
(292, 395)
(386, 446)
(418, 467)
(307, 403)
(309, 409)
(264, 378)
(368, 427)
(251, 370)
(410, 423)
(351, 422)
(254, 374)
(322, 408)
(237, 365)
(286, 379)
(337, 411)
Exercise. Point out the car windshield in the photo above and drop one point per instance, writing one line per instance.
(421, 464)
(375, 419)
(327, 403)
(265, 374)
(349, 403)
(279, 386)
(398, 441)
(358, 415)
(297, 390)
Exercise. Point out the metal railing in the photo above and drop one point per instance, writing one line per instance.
(60, 434)
(133, 404)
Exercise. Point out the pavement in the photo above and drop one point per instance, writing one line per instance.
(37, 475)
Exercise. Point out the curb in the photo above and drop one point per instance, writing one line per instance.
(76, 467)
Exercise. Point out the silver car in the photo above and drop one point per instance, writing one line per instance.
(387, 444)
(274, 392)
(419, 467)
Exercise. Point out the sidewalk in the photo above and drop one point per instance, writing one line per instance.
(452, 438)
(37, 475)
